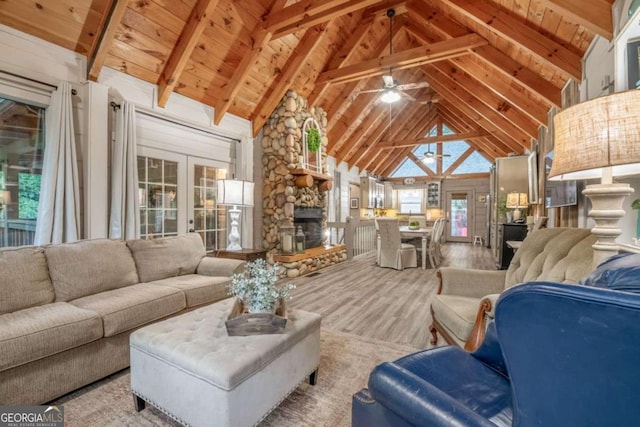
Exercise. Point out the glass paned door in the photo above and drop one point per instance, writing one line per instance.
(460, 216)
(207, 217)
(160, 195)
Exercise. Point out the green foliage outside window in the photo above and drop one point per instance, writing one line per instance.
(29, 194)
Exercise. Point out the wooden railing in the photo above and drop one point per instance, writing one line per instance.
(360, 237)
(17, 233)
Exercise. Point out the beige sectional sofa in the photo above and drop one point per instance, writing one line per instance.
(66, 311)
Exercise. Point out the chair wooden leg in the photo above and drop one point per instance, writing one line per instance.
(434, 334)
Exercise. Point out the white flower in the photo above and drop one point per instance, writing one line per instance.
(256, 286)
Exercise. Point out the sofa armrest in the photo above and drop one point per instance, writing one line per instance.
(417, 401)
(470, 282)
(485, 314)
(225, 267)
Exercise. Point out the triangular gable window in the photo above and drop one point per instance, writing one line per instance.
(475, 163)
(408, 168)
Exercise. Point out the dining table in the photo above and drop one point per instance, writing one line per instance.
(423, 233)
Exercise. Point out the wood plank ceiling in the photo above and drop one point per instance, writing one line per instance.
(494, 67)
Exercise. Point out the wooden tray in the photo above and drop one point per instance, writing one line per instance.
(242, 323)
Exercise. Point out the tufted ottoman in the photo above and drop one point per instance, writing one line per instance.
(189, 368)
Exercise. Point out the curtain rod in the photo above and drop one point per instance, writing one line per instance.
(73, 91)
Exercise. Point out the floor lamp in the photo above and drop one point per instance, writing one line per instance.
(600, 138)
(235, 193)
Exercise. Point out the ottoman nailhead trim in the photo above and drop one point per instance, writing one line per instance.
(160, 408)
(282, 400)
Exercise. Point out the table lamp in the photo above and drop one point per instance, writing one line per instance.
(235, 193)
(600, 138)
(517, 201)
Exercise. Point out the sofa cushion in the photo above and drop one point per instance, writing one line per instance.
(197, 289)
(168, 257)
(38, 332)
(24, 281)
(457, 313)
(125, 309)
(88, 267)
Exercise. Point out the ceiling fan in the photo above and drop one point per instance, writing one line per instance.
(391, 90)
(430, 157)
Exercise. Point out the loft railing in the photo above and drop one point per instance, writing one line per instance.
(360, 237)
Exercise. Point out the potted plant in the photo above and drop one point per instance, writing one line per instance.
(414, 225)
(256, 287)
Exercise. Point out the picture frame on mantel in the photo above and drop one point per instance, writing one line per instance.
(355, 203)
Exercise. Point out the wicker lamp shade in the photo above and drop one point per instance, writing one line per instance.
(517, 201)
(603, 132)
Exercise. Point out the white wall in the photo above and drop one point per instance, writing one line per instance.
(348, 175)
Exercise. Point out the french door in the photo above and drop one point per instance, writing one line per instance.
(177, 194)
(460, 216)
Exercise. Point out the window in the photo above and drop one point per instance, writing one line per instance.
(411, 200)
(21, 154)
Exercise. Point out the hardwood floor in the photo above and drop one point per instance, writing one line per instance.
(361, 298)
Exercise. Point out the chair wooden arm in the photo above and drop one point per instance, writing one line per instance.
(479, 326)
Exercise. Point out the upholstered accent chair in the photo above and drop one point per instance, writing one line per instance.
(392, 252)
(466, 298)
(556, 355)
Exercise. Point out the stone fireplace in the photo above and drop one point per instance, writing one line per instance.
(291, 193)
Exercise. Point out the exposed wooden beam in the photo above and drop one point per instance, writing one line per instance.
(432, 140)
(259, 40)
(115, 14)
(514, 30)
(342, 56)
(596, 16)
(431, 178)
(365, 126)
(307, 13)
(183, 49)
(380, 11)
(303, 50)
(340, 103)
(464, 156)
(498, 125)
(406, 59)
(420, 164)
(504, 67)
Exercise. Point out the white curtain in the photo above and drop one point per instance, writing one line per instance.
(124, 221)
(59, 205)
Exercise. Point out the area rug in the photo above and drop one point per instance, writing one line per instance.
(345, 363)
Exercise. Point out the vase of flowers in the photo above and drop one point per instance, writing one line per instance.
(256, 287)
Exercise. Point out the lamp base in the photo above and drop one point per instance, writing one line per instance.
(606, 211)
(234, 234)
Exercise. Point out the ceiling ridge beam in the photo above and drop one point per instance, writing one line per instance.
(107, 36)
(303, 50)
(191, 32)
(259, 40)
(410, 58)
(595, 17)
(307, 13)
(566, 62)
(508, 68)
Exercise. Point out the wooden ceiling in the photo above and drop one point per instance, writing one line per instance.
(494, 68)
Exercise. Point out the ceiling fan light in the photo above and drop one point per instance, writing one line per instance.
(428, 159)
(390, 96)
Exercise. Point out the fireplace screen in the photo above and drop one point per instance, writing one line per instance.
(310, 219)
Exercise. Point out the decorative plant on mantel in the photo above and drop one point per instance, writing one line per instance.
(313, 140)
(256, 287)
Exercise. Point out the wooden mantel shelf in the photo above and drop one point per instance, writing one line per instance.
(316, 175)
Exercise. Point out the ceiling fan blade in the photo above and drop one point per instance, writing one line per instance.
(388, 81)
(369, 91)
(406, 95)
(410, 86)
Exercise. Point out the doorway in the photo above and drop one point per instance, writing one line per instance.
(460, 216)
(177, 194)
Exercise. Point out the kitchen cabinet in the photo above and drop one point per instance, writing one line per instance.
(369, 193)
(433, 195)
(390, 200)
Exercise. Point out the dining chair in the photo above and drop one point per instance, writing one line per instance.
(392, 252)
(436, 236)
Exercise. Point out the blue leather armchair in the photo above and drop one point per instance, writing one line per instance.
(556, 355)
